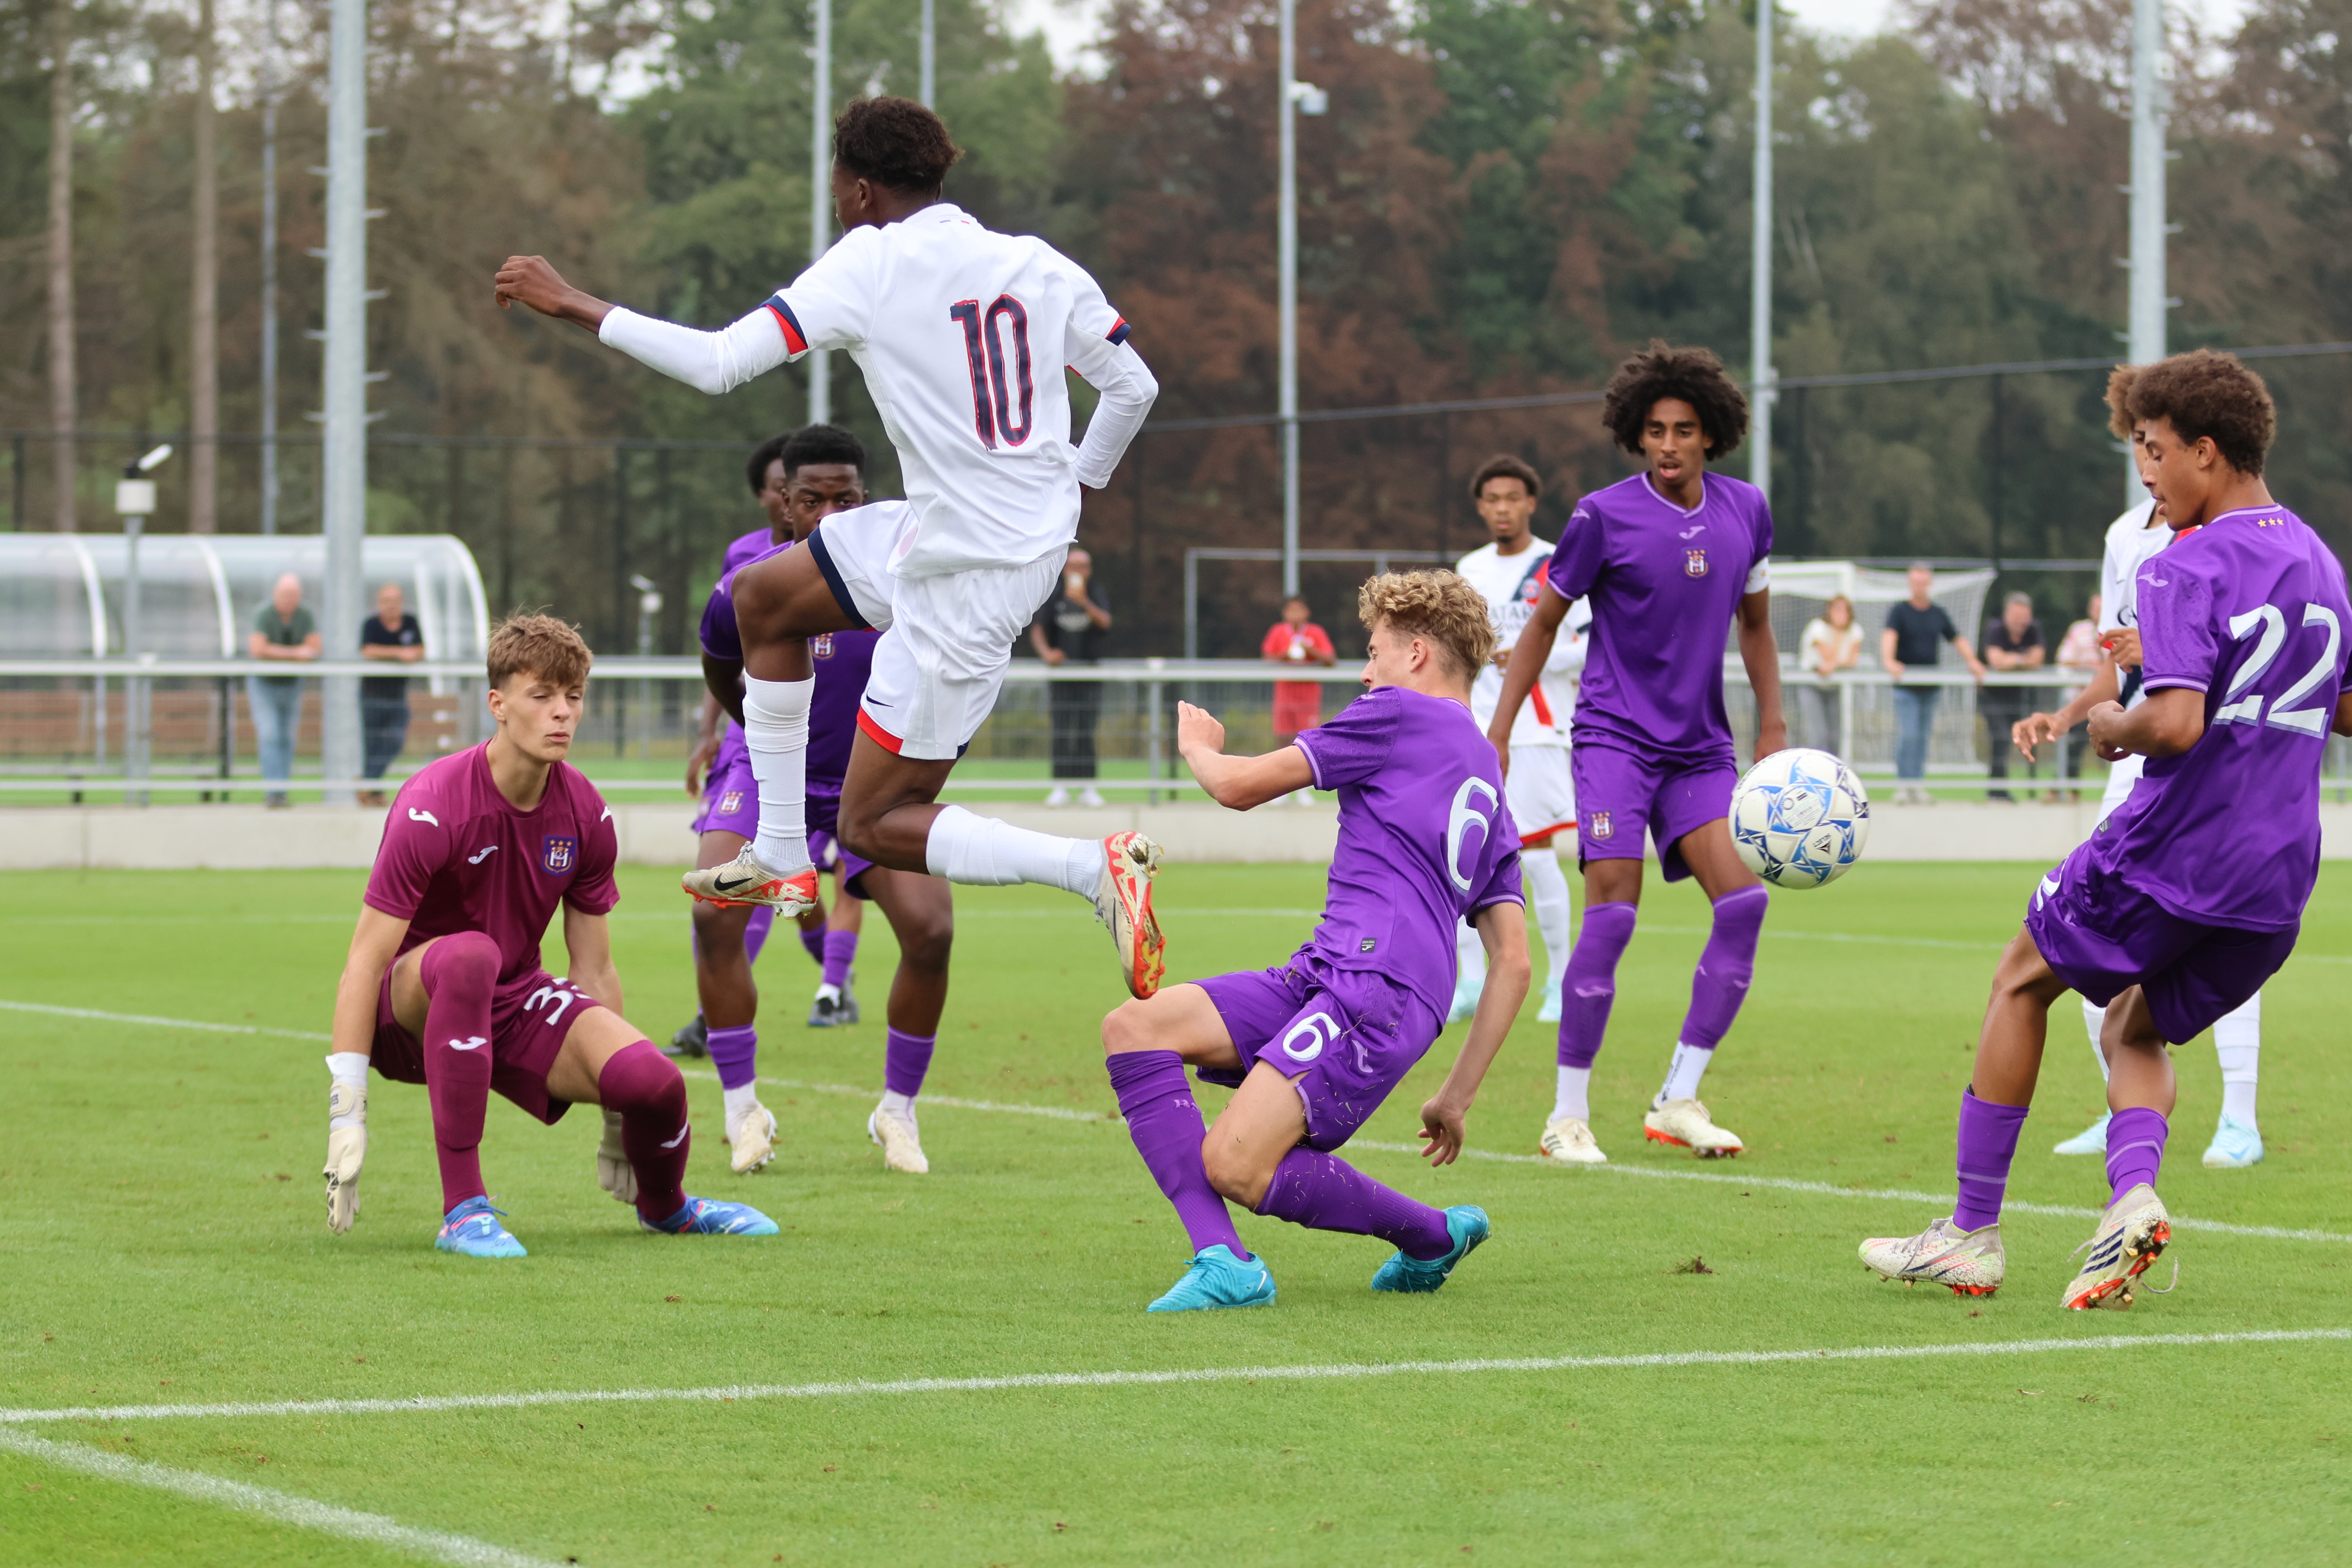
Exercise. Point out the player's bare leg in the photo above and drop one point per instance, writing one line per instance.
(730, 1005)
(921, 913)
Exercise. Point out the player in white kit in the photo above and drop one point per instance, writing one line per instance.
(1509, 572)
(2132, 539)
(961, 334)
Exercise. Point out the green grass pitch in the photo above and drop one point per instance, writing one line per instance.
(163, 1242)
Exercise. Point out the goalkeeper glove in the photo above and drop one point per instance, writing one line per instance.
(346, 1151)
(614, 1172)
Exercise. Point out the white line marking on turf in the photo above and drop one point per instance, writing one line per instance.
(283, 1507)
(1343, 1370)
(1068, 1113)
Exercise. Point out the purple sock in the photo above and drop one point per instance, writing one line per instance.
(1987, 1144)
(813, 938)
(905, 1059)
(1324, 1192)
(1725, 966)
(1165, 1122)
(840, 947)
(736, 1053)
(2135, 1148)
(755, 935)
(1591, 983)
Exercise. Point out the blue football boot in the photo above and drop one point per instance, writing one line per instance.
(1218, 1279)
(472, 1230)
(1467, 1223)
(2091, 1140)
(713, 1216)
(2236, 1145)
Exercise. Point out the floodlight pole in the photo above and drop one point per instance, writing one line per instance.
(1287, 292)
(269, 284)
(819, 360)
(2150, 109)
(928, 77)
(1764, 387)
(346, 379)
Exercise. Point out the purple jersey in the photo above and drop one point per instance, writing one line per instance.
(2250, 610)
(1425, 838)
(1665, 584)
(457, 856)
(841, 660)
(750, 547)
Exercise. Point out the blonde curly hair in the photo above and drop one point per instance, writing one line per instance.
(1438, 606)
(529, 644)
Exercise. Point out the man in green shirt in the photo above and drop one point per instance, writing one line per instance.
(283, 631)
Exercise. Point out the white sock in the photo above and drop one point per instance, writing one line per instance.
(2238, 1041)
(828, 993)
(775, 734)
(738, 1103)
(1573, 1098)
(985, 851)
(2095, 1018)
(1547, 888)
(347, 1067)
(900, 1105)
(1469, 958)
(1683, 1073)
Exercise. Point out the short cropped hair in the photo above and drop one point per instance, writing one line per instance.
(896, 142)
(1438, 606)
(1692, 374)
(1504, 467)
(2204, 394)
(2119, 386)
(796, 450)
(527, 643)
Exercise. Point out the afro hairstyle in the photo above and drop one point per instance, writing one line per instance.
(1693, 374)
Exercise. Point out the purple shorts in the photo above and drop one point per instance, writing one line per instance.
(730, 803)
(1343, 1038)
(1622, 796)
(2103, 936)
(529, 1019)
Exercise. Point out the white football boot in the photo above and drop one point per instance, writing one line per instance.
(745, 881)
(1123, 903)
(901, 1141)
(1566, 1138)
(750, 1139)
(1968, 1261)
(2135, 1229)
(1685, 1124)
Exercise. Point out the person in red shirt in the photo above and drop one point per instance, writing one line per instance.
(1298, 704)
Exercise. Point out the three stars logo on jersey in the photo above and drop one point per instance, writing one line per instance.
(1694, 563)
(556, 853)
(1597, 823)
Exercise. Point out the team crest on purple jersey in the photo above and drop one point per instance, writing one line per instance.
(821, 646)
(557, 851)
(730, 803)
(1694, 563)
(1599, 825)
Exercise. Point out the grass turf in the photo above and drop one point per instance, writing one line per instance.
(165, 1243)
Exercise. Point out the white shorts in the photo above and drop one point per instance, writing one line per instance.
(1540, 792)
(946, 640)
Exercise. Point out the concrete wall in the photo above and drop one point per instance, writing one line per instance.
(250, 837)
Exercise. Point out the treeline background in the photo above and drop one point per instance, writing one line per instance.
(1503, 199)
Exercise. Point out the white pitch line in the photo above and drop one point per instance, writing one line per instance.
(427, 1405)
(434, 1545)
(1068, 1113)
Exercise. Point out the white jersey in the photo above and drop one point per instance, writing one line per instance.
(962, 333)
(2130, 541)
(1513, 585)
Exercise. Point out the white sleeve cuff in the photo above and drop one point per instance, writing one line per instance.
(1759, 577)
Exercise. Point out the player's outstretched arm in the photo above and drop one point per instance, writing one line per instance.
(1237, 783)
(374, 941)
(1528, 657)
(533, 280)
(711, 363)
(1503, 931)
(1761, 655)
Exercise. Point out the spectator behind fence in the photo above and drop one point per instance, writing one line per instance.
(2013, 641)
(1916, 630)
(1298, 704)
(391, 635)
(283, 631)
(1831, 642)
(1069, 630)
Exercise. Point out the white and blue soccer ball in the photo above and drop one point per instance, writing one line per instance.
(1799, 819)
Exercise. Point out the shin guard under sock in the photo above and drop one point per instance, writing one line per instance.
(1988, 1143)
(646, 1087)
(735, 1053)
(775, 737)
(906, 1060)
(1165, 1122)
(984, 851)
(2135, 1149)
(459, 973)
(840, 950)
(1591, 984)
(1324, 1192)
(1726, 966)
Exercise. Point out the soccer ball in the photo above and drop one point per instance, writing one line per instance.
(1799, 819)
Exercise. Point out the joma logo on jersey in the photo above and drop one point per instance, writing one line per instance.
(1597, 823)
(730, 803)
(557, 852)
(820, 646)
(1694, 563)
